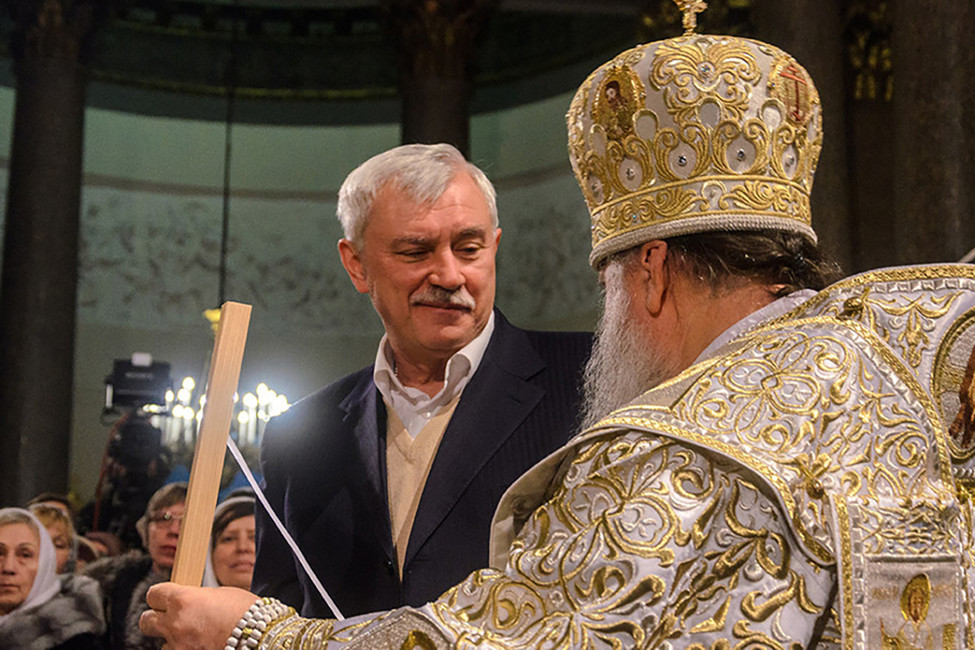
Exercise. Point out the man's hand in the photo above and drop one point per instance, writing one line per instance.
(194, 618)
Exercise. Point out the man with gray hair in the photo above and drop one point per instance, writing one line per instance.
(388, 478)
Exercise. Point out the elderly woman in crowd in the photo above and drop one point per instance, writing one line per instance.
(126, 579)
(57, 521)
(38, 609)
(230, 562)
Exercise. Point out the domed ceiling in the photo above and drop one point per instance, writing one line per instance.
(306, 61)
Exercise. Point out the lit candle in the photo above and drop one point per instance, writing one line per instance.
(250, 403)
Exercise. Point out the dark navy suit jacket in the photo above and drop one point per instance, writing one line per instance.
(324, 464)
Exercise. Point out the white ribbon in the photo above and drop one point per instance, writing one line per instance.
(232, 446)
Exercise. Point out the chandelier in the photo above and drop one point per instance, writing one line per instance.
(179, 418)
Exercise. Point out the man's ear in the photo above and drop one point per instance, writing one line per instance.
(352, 261)
(653, 263)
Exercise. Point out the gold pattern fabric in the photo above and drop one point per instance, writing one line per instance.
(796, 489)
(645, 541)
(692, 134)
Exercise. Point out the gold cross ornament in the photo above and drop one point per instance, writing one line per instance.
(690, 9)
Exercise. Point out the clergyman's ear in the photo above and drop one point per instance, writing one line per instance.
(352, 261)
(653, 263)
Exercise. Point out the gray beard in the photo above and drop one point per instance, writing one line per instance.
(625, 362)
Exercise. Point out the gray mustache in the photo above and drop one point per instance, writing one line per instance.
(438, 295)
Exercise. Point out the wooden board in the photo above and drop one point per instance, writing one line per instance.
(201, 498)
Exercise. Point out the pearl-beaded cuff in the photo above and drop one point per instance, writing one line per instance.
(250, 629)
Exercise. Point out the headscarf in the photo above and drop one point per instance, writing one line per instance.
(209, 576)
(46, 582)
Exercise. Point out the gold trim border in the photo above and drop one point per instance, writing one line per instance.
(846, 555)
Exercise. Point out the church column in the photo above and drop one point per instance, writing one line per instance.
(437, 42)
(932, 103)
(40, 255)
(810, 30)
(870, 123)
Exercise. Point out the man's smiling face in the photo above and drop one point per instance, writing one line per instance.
(429, 269)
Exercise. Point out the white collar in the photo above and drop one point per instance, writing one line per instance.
(413, 406)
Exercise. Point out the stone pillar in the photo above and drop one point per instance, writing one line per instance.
(933, 93)
(870, 124)
(436, 42)
(810, 30)
(40, 256)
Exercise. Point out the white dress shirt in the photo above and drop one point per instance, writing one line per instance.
(412, 405)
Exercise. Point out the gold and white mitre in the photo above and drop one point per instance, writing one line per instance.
(695, 133)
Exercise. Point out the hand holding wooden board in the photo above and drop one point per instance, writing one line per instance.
(201, 497)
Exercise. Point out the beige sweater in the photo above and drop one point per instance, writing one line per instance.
(408, 462)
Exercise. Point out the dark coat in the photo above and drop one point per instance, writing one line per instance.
(125, 580)
(324, 464)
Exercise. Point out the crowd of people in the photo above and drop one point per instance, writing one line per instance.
(60, 589)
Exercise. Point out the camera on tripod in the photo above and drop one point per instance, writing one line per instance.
(135, 462)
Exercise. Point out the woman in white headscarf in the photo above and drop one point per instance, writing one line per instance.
(230, 562)
(38, 609)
